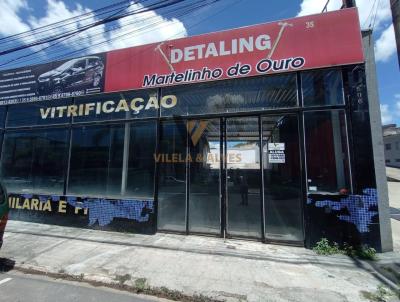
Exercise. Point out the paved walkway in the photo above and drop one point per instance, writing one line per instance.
(231, 270)
(393, 173)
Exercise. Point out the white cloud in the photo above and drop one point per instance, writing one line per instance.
(152, 27)
(309, 7)
(391, 112)
(129, 31)
(10, 22)
(386, 114)
(385, 45)
(366, 10)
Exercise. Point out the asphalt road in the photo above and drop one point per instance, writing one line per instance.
(18, 287)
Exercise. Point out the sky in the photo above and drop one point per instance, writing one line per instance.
(17, 16)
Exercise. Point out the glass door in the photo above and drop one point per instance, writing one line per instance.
(171, 161)
(221, 176)
(243, 177)
(204, 176)
(282, 178)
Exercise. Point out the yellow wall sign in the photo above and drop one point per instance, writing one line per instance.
(35, 204)
(136, 105)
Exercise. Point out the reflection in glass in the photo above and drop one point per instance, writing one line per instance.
(142, 144)
(238, 95)
(243, 177)
(204, 163)
(96, 160)
(326, 151)
(322, 87)
(35, 161)
(3, 110)
(282, 178)
(172, 176)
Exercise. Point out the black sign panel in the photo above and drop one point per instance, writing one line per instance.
(68, 78)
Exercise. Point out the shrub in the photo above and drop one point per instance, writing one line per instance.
(323, 247)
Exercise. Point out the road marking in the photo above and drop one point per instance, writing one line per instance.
(5, 280)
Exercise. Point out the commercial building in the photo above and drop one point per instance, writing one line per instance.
(391, 141)
(260, 132)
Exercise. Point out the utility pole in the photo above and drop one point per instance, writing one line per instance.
(349, 3)
(395, 5)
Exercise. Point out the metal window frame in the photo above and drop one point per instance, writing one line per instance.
(299, 110)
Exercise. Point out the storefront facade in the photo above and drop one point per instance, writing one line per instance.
(232, 134)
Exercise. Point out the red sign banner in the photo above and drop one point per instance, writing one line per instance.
(315, 41)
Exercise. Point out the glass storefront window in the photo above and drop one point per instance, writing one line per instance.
(172, 176)
(322, 87)
(34, 161)
(282, 178)
(238, 95)
(113, 106)
(96, 160)
(243, 177)
(3, 111)
(38, 113)
(140, 170)
(204, 174)
(113, 160)
(326, 151)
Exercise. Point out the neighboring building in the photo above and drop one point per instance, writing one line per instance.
(259, 132)
(391, 141)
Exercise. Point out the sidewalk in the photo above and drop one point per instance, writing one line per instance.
(393, 173)
(230, 270)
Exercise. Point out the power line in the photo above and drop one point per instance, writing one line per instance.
(84, 28)
(185, 10)
(370, 14)
(376, 13)
(325, 9)
(57, 42)
(52, 26)
(72, 53)
(47, 39)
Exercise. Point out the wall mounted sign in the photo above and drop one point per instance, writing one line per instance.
(276, 153)
(316, 41)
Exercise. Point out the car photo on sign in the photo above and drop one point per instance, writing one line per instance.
(82, 73)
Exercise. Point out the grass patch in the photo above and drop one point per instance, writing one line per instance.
(141, 284)
(364, 252)
(382, 294)
(122, 278)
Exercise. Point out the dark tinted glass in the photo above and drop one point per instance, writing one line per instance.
(3, 111)
(38, 113)
(124, 105)
(238, 95)
(204, 163)
(3, 195)
(35, 161)
(172, 176)
(322, 87)
(140, 170)
(243, 177)
(326, 151)
(96, 160)
(282, 178)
